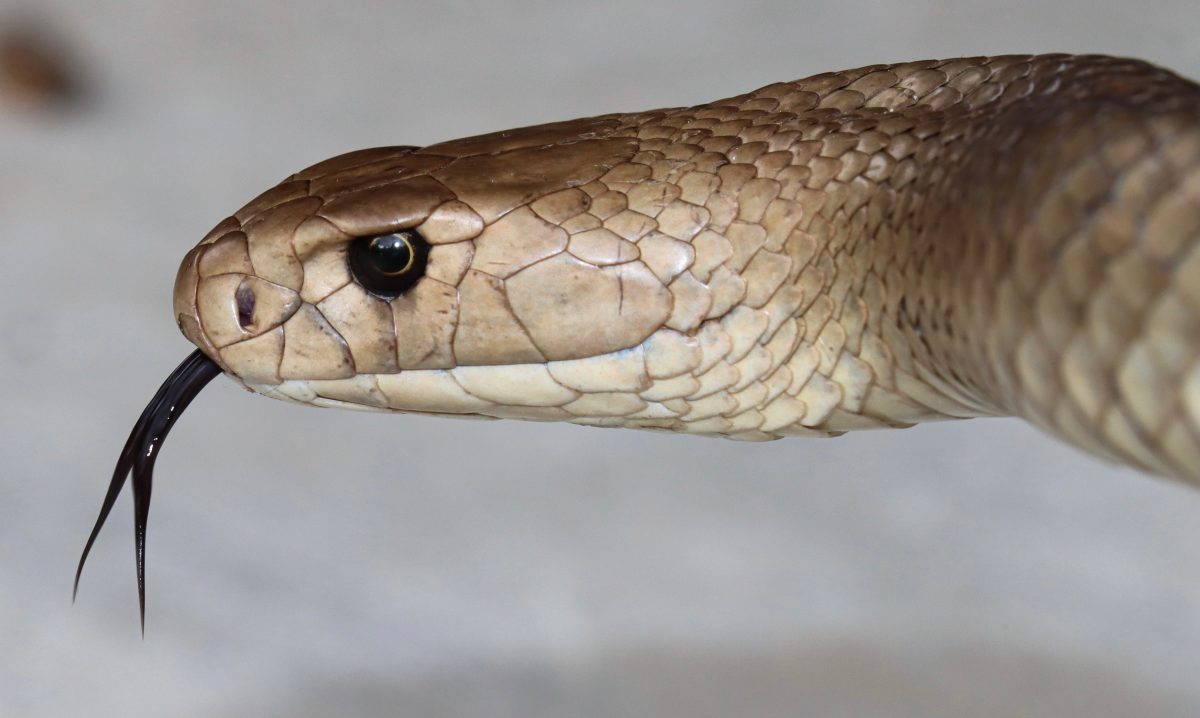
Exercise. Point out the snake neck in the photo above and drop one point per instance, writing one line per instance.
(1052, 266)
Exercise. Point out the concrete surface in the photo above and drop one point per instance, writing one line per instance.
(312, 563)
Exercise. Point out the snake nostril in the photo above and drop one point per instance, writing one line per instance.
(245, 305)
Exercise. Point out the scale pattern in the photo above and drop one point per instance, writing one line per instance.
(869, 248)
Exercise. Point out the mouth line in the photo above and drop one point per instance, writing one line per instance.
(141, 451)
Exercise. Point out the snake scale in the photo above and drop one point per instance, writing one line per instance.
(877, 247)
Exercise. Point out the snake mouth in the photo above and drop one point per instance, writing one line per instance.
(141, 451)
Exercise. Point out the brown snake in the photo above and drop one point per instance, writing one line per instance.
(869, 248)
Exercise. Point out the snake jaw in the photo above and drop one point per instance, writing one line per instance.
(141, 451)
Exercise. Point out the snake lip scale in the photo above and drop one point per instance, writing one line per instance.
(869, 248)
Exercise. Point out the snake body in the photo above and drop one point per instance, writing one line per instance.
(869, 248)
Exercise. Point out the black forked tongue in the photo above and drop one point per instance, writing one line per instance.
(140, 452)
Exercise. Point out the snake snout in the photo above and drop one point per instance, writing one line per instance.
(227, 310)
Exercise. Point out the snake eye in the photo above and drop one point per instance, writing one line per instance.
(388, 264)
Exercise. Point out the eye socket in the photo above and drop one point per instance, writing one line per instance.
(387, 264)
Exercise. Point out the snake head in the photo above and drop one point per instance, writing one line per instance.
(531, 262)
(518, 290)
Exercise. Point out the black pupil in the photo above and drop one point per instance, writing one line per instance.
(391, 253)
(387, 264)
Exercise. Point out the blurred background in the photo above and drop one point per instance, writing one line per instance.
(305, 562)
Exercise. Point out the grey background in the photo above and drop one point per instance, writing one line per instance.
(308, 562)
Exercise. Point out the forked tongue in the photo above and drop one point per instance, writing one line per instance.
(140, 452)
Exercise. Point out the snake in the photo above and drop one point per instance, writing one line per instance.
(870, 248)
